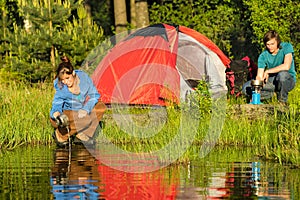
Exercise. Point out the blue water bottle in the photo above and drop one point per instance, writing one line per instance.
(255, 98)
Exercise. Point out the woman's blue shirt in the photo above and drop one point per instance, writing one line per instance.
(65, 100)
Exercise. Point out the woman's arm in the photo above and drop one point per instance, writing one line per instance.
(93, 95)
(57, 102)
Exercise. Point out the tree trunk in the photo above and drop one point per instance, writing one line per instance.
(120, 16)
(132, 13)
(142, 15)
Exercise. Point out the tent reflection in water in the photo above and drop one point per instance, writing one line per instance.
(160, 184)
(76, 174)
(160, 64)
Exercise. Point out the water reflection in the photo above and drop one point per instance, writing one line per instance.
(76, 174)
(241, 181)
(160, 184)
(49, 173)
(238, 180)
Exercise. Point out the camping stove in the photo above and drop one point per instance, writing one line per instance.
(257, 85)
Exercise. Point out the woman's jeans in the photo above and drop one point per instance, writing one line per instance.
(281, 83)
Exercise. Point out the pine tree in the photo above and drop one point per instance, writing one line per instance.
(50, 30)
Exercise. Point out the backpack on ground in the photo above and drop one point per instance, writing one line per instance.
(239, 72)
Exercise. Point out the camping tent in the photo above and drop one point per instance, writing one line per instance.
(160, 64)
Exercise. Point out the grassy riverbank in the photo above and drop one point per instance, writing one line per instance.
(24, 114)
(275, 135)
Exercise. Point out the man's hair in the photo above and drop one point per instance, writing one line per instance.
(270, 35)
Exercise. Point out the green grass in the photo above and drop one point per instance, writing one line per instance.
(275, 136)
(24, 114)
(25, 110)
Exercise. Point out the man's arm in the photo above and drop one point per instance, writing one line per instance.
(260, 74)
(286, 65)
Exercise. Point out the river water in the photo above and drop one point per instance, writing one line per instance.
(46, 172)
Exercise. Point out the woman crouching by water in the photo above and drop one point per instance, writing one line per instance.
(76, 110)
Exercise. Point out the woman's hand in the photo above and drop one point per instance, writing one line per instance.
(56, 114)
(82, 113)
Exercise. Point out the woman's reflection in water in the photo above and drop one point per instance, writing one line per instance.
(75, 174)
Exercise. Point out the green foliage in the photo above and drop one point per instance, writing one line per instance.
(36, 33)
(218, 21)
(6, 76)
(236, 26)
(269, 15)
(102, 14)
(51, 29)
(203, 98)
(80, 37)
(282, 16)
(27, 55)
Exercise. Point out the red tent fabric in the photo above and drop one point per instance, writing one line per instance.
(154, 66)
